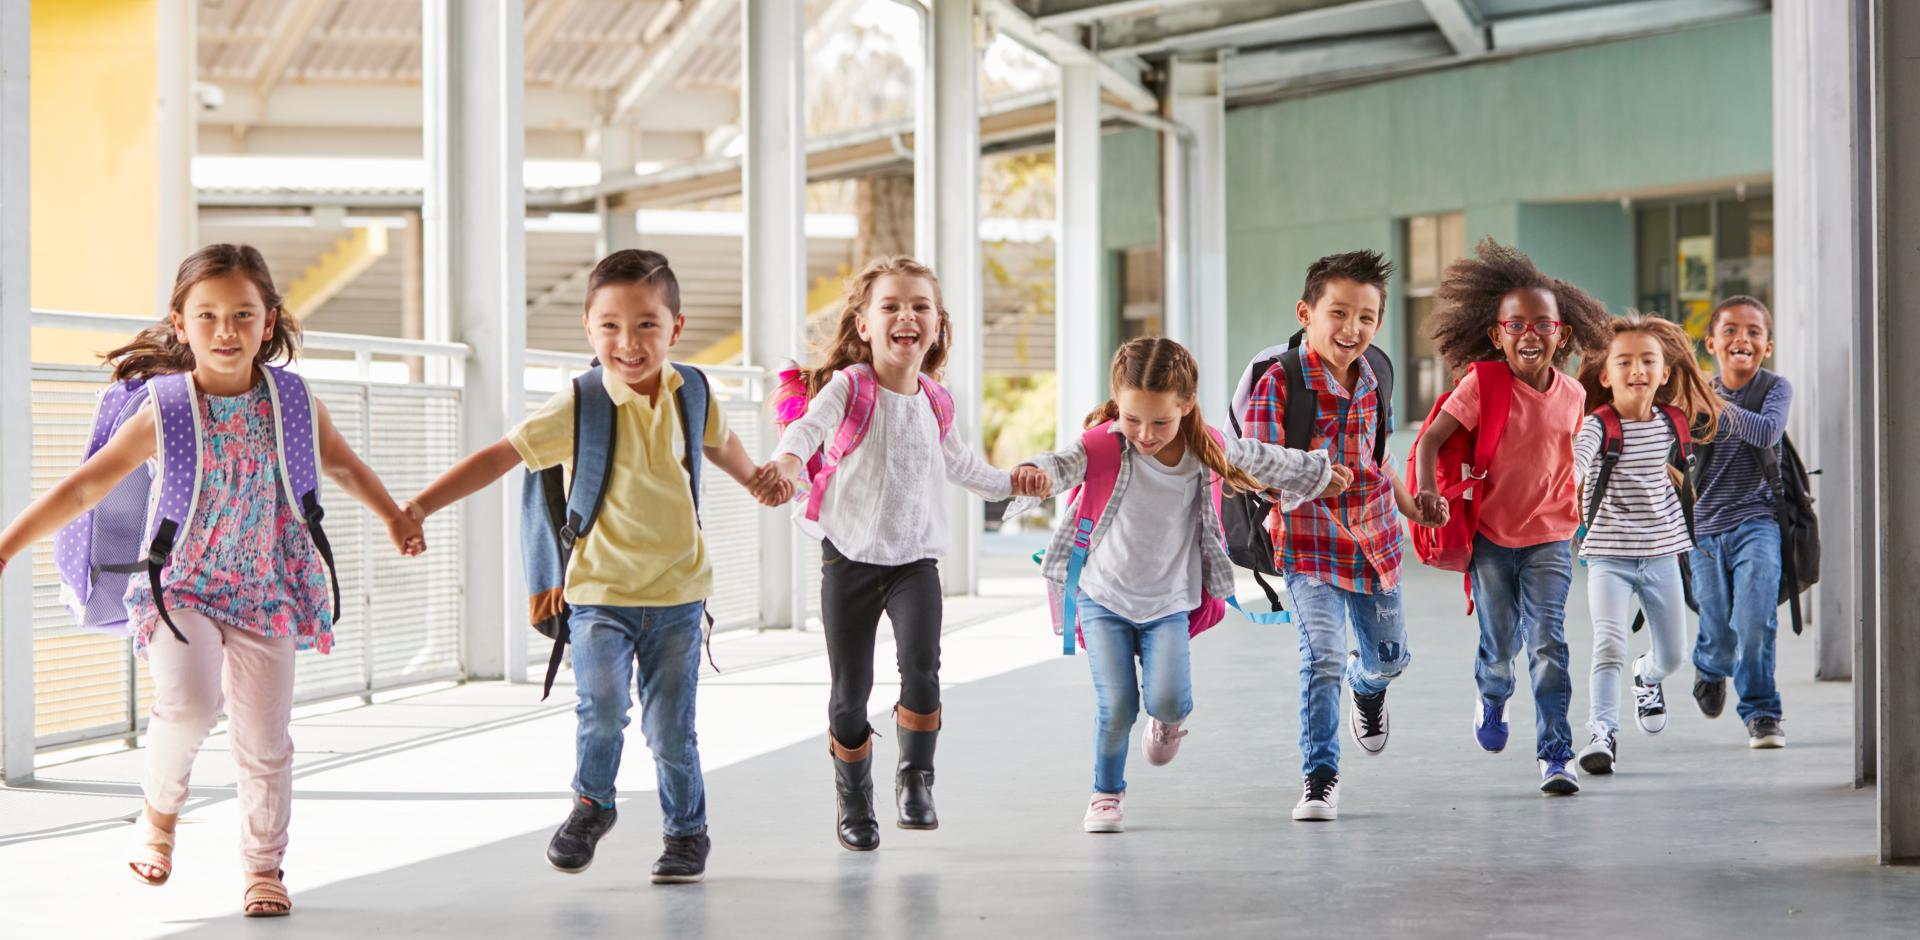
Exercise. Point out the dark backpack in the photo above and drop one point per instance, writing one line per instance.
(1792, 487)
(556, 513)
(1244, 515)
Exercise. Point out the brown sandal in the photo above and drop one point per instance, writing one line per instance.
(152, 849)
(266, 895)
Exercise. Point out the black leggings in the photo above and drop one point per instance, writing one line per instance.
(852, 596)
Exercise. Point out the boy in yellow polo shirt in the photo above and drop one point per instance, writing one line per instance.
(638, 580)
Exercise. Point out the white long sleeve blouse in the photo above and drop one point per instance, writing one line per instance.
(884, 506)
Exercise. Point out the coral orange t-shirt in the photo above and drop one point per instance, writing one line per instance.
(1529, 495)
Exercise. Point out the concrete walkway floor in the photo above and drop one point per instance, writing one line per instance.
(427, 815)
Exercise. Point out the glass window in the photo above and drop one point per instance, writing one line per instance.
(1432, 243)
(1689, 254)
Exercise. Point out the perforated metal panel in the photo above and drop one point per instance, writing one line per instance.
(399, 618)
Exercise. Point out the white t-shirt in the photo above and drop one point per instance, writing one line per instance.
(1641, 515)
(1148, 563)
(885, 505)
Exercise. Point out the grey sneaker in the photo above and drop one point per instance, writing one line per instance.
(1710, 695)
(1599, 755)
(1763, 732)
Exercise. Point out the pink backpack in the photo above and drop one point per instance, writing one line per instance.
(1089, 501)
(790, 403)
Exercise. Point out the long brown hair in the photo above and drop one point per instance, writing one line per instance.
(1157, 364)
(846, 348)
(157, 350)
(1686, 387)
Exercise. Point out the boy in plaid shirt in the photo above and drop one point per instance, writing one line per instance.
(1341, 554)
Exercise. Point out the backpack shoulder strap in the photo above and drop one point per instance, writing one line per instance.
(1612, 442)
(296, 438)
(1103, 470)
(1302, 406)
(942, 402)
(1383, 401)
(1682, 430)
(594, 423)
(176, 422)
(1495, 382)
(1682, 459)
(692, 399)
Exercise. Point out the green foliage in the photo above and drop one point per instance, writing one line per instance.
(1016, 417)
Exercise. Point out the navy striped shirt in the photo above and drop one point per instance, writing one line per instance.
(1733, 491)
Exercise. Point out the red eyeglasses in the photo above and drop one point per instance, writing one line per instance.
(1520, 327)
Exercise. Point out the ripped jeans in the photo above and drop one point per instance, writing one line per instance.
(1380, 636)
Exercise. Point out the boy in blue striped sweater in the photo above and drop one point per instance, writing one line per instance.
(1736, 561)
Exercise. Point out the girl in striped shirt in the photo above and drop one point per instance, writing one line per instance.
(1649, 400)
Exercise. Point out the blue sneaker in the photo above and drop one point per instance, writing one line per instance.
(1490, 725)
(1557, 779)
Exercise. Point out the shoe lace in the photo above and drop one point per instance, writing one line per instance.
(1648, 698)
(1372, 714)
(1317, 788)
(581, 821)
(682, 849)
(1164, 733)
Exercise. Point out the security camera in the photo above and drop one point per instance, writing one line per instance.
(209, 95)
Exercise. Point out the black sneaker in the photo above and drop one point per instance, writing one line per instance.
(1764, 732)
(1369, 722)
(1649, 701)
(1600, 754)
(1319, 797)
(684, 861)
(571, 850)
(1711, 696)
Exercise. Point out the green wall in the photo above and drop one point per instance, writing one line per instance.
(1515, 144)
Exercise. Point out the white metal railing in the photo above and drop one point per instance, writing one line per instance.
(400, 618)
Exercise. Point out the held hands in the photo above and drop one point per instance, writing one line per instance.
(1338, 483)
(1429, 509)
(405, 532)
(1029, 480)
(772, 483)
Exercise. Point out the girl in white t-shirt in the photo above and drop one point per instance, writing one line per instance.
(1649, 402)
(1155, 548)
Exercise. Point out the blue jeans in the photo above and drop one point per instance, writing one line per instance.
(665, 642)
(1380, 633)
(1736, 581)
(1521, 597)
(1166, 676)
(1612, 584)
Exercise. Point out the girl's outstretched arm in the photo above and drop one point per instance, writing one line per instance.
(84, 488)
(973, 473)
(350, 473)
(465, 478)
(1298, 475)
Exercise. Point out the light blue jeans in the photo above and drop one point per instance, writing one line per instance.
(1521, 597)
(665, 643)
(1166, 678)
(1380, 634)
(1612, 584)
(1736, 580)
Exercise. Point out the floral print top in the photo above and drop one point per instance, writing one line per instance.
(245, 560)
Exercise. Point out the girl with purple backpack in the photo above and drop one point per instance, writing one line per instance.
(1138, 585)
(237, 442)
(873, 421)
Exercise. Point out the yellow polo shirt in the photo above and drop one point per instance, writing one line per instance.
(645, 548)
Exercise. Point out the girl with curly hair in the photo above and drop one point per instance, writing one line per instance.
(1495, 306)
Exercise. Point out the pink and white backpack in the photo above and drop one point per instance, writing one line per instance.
(790, 402)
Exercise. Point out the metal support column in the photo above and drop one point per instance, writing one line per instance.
(1896, 88)
(1196, 99)
(1078, 354)
(16, 400)
(178, 119)
(773, 187)
(955, 183)
(474, 222)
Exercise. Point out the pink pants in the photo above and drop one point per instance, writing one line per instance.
(256, 674)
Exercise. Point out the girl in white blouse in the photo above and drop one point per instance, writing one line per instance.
(882, 521)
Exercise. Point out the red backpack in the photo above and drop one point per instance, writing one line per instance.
(1464, 460)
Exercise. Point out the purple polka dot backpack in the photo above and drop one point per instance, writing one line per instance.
(134, 528)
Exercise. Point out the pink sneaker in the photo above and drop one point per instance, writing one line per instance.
(1103, 813)
(1162, 741)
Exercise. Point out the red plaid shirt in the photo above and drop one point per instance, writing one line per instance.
(1350, 541)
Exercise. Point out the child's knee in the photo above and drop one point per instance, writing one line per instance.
(1393, 657)
(1117, 715)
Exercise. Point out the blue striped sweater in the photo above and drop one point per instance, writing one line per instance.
(1732, 488)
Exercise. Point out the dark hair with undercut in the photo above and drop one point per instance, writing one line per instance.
(1740, 300)
(1469, 306)
(1366, 267)
(636, 266)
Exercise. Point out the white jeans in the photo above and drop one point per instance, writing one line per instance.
(256, 675)
(1612, 584)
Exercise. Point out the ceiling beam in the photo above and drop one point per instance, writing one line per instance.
(1104, 11)
(661, 61)
(1363, 16)
(1459, 25)
(295, 26)
(1326, 61)
(1576, 27)
(1022, 29)
(543, 24)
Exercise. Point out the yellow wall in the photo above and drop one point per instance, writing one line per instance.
(95, 177)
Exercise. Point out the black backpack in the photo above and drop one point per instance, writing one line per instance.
(1244, 515)
(1792, 487)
